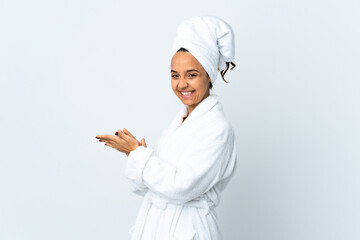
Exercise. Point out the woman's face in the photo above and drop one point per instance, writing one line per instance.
(189, 79)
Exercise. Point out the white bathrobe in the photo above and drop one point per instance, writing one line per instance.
(182, 179)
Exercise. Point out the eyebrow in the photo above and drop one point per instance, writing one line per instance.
(190, 70)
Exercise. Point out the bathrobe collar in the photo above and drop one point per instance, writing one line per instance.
(202, 108)
(177, 126)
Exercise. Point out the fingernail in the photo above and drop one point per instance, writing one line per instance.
(96, 137)
(116, 133)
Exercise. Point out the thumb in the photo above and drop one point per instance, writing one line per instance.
(127, 132)
(143, 143)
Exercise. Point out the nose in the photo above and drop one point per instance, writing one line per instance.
(182, 83)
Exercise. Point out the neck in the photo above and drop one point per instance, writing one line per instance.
(191, 108)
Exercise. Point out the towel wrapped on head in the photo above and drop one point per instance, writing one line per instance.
(210, 40)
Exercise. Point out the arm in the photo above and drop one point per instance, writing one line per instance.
(200, 170)
(138, 188)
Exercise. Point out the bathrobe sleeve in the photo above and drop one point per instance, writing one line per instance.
(134, 170)
(138, 188)
(201, 168)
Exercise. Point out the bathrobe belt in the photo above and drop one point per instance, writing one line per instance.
(200, 203)
(162, 204)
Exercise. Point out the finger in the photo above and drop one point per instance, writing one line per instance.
(143, 143)
(100, 136)
(128, 133)
(110, 140)
(121, 134)
(117, 132)
(107, 138)
(104, 137)
(109, 145)
(105, 141)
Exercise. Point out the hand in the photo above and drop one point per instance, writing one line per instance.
(142, 143)
(122, 141)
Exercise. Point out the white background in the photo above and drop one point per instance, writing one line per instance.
(70, 70)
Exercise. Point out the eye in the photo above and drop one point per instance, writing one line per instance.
(192, 75)
(174, 76)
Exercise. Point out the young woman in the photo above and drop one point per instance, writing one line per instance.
(181, 180)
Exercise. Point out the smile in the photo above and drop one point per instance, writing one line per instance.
(186, 93)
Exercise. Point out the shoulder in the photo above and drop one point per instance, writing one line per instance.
(215, 126)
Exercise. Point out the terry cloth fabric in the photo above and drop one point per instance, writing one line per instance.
(210, 40)
(182, 179)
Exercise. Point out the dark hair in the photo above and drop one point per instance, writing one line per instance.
(221, 72)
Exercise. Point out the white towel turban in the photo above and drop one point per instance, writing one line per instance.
(210, 40)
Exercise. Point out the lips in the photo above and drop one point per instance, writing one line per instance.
(186, 94)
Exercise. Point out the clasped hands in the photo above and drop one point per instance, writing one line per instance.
(122, 141)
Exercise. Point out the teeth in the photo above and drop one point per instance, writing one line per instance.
(185, 93)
